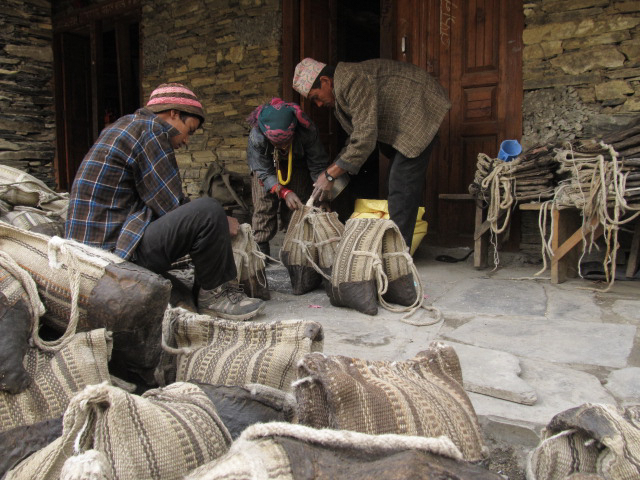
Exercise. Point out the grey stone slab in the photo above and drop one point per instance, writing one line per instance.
(496, 297)
(572, 305)
(628, 309)
(624, 384)
(493, 373)
(559, 388)
(602, 344)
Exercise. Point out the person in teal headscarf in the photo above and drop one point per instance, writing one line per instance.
(285, 157)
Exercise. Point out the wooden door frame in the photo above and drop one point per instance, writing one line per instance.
(90, 21)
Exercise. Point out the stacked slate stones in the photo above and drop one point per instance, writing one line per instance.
(627, 143)
(534, 174)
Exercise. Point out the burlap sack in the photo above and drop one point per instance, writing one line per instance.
(223, 352)
(281, 451)
(373, 264)
(298, 253)
(241, 406)
(20, 188)
(120, 296)
(163, 434)
(57, 377)
(16, 320)
(250, 264)
(592, 439)
(412, 397)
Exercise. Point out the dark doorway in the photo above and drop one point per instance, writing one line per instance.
(358, 35)
(97, 78)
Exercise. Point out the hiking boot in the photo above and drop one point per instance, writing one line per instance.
(229, 301)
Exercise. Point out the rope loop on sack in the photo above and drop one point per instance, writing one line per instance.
(36, 306)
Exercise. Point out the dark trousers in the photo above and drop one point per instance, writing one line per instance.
(198, 228)
(406, 184)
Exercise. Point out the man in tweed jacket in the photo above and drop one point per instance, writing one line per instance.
(393, 104)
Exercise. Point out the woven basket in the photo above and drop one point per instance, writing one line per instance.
(250, 264)
(120, 296)
(57, 377)
(594, 439)
(281, 451)
(164, 434)
(372, 263)
(407, 398)
(224, 352)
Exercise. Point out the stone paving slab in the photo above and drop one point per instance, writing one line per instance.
(571, 342)
(558, 388)
(624, 384)
(495, 297)
(627, 308)
(493, 373)
(571, 305)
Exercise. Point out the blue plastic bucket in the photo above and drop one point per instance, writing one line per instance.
(509, 149)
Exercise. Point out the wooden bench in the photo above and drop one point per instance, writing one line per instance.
(566, 235)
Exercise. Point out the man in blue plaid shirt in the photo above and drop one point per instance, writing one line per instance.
(127, 198)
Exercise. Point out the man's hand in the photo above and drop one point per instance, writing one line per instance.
(292, 200)
(234, 225)
(322, 188)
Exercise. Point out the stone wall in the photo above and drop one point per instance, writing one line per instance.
(27, 122)
(581, 68)
(228, 51)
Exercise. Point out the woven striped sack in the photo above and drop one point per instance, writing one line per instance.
(282, 451)
(594, 439)
(163, 434)
(412, 397)
(20, 188)
(35, 220)
(222, 352)
(94, 289)
(250, 263)
(373, 263)
(5, 207)
(327, 233)
(16, 320)
(298, 251)
(57, 376)
(309, 247)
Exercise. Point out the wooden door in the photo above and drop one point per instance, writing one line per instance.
(73, 106)
(474, 49)
(309, 30)
(97, 65)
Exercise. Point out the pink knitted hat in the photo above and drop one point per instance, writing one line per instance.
(305, 74)
(175, 96)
